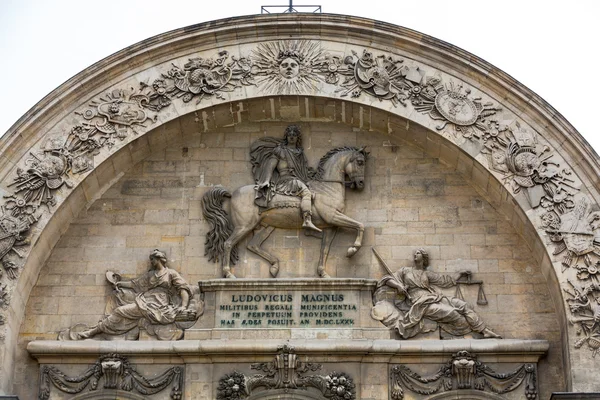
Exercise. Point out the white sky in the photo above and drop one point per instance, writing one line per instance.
(550, 46)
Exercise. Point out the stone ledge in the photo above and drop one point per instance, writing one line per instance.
(286, 283)
(47, 349)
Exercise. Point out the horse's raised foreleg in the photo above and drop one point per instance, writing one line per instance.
(254, 246)
(344, 221)
(238, 233)
(326, 240)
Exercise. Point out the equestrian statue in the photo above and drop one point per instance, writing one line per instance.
(287, 194)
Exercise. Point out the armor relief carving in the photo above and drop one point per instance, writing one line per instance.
(510, 150)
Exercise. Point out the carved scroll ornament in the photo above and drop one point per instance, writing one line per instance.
(113, 372)
(463, 371)
(288, 373)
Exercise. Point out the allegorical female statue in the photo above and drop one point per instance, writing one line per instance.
(159, 301)
(280, 166)
(419, 308)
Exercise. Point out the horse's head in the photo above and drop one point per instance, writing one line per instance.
(355, 168)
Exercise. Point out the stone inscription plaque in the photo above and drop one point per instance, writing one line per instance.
(287, 309)
(290, 303)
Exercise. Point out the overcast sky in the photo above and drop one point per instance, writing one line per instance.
(550, 46)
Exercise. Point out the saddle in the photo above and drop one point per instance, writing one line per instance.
(281, 201)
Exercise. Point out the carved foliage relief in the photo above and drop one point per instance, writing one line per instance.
(517, 155)
(287, 373)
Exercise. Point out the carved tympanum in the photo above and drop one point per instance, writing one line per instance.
(115, 372)
(462, 372)
(301, 67)
(160, 302)
(281, 198)
(407, 302)
(286, 372)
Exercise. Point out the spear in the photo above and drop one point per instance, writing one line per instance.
(389, 271)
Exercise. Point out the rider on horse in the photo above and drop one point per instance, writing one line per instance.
(280, 167)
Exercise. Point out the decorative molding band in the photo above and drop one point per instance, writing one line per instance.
(44, 350)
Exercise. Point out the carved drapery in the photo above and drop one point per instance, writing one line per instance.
(111, 372)
(463, 372)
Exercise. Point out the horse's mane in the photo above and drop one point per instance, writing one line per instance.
(331, 153)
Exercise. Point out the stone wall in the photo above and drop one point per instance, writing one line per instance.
(411, 200)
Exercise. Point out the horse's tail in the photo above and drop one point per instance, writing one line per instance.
(221, 227)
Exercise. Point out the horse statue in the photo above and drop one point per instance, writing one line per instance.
(329, 188)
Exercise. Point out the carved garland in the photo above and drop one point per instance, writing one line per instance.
(294, 67)
(463, 371)
(117, 374)
(288, 373)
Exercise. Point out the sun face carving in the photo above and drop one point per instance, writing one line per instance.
(288, 67)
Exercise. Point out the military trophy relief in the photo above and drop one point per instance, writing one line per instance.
(285, 376)
(114, 376)
(160, 303)
(465, 377)
(287, 194)
(576, 238)
(410, 303)
(527, 165)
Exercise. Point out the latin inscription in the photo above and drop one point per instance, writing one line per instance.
(286, 310)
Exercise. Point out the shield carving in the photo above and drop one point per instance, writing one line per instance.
(10, 229)
(579, 243)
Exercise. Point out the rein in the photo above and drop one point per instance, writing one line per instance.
(328, 181)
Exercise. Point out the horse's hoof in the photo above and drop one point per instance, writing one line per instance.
(324, 275)
(351, 251)
(274, 270)
(229, 275)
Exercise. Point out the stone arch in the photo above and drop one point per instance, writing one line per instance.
(281, 394)
(465, 395)
(108, 395)
(456, 108)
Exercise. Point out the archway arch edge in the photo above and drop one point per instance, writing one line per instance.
(92, 180)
